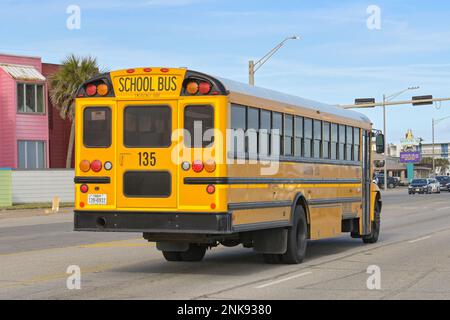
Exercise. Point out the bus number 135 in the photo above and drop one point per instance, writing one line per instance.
(147, 159)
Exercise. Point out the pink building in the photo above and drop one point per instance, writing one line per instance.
(24, 132)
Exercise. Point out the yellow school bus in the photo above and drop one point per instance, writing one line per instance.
(193, 161)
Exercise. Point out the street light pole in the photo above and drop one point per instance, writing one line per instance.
(387, 98)
(385, 142)
(432, 135)
(434, 122)
(254, 66)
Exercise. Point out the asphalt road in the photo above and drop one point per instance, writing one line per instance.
(413, 256)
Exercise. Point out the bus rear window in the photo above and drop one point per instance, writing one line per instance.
(97, 127)
(197, 120)
(148, 126)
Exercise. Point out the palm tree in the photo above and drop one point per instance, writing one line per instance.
(64, 84)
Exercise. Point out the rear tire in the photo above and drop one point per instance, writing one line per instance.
(297, 238)
(171, 256)
(375, 232)
(194, 253)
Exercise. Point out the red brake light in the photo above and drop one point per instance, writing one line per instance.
(197, 166)
(91, 90)
(204, 87)
(84, 188)
(96, 165)
(147, 69)
(164, 70)
(130, 71)
(210, 189)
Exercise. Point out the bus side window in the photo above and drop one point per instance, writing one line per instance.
(298, 140)
(308, 134)
(288, 134)
(264, 133)
(238, 125)
(317, 145)
(349, 144)
(341, 151)
(252, 131)
(326, 140)
(277, 131)
(334, 141)
(356, 137)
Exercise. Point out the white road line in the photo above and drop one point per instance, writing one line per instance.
(443, 208)
(282, 280)
(420, 239)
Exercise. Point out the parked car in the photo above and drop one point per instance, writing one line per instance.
(391, 182)
(422, 186)
(444, 181)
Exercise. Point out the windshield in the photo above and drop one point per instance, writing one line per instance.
(419, 181)
(442, 179)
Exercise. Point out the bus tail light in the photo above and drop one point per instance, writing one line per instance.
(85, 165)
(192, 87)
(197, 166)
(102, 89)
(204, 87)
(210, 189)
(210, 166)
(84, 188)
(91, 89)
(96, 165)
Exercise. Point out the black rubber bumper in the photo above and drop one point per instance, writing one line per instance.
(153, 222)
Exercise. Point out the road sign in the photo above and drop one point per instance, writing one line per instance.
(410, 157)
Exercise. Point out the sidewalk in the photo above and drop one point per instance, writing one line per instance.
(26, 213)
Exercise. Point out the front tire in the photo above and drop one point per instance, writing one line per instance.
(375, 232)
(297, 238)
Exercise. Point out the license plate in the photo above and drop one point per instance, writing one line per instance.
(97, 199)
(417, 189)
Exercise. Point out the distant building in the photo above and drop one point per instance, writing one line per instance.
(32, 135)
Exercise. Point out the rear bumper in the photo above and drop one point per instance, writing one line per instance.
(153, 222)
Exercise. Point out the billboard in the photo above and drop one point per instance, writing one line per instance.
(410, 157)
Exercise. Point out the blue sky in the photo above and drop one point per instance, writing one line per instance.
(337, 60)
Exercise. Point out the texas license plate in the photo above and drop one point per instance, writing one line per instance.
(97, 199)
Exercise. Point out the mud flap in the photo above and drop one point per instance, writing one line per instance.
(272, 241)
(172, 246)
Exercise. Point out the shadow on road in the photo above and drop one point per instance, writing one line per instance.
(236, 261)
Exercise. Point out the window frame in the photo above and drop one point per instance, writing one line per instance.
(35, 85)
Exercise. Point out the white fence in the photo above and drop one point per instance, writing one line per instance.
(31, 186)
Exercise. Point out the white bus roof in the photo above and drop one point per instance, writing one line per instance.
(292, 100)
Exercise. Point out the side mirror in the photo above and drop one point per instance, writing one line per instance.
(379, 142)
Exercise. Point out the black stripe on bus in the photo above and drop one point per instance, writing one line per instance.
(231, 180)
(318, 202)
(94, 180)
(259, 205)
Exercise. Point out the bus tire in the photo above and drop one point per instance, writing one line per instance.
(171, 256)
(375, 233)
(194, 253)
(272, 258)
(297, 238)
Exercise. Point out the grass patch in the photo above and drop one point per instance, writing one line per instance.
(41, 205)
